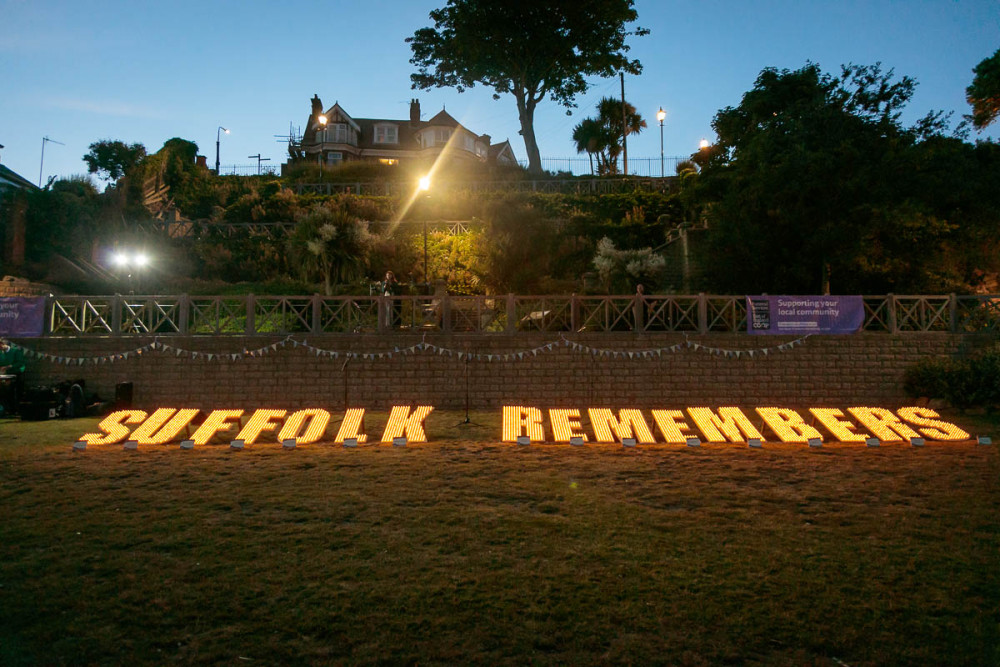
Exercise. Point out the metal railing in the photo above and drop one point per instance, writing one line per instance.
(590, 186)
(120, 315)
(637, 166)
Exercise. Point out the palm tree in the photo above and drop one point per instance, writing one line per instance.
(602, 136)
(589, 137)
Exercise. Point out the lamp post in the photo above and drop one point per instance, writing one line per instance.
(703, 144)
(660, 115)
(322, 120)
(424, 185)
(218, 136)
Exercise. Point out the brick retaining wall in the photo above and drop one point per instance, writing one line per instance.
(865, 368)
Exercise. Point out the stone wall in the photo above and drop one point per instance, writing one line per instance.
(837, 371)
(11, 286)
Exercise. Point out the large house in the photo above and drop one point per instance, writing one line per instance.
(333, 137)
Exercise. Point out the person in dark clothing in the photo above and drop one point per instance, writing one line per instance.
(11, 376)
(390, 288)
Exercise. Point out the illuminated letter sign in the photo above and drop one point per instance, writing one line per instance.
(527, 423)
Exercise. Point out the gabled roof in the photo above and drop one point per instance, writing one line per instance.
(10, 178)
(443, 118)
(497, 149)
(337, 110)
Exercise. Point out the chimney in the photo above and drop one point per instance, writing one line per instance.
(414, 111)
(201, 161)
(1, 147)
(486, 139)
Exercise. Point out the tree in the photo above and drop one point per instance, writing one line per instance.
(531, 50)
(111, 160)
(984, 92)
(602, 136)
(329, 240)
(811, 184)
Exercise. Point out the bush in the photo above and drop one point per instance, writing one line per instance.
(965, 383)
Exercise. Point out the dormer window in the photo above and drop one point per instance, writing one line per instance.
(386, 134)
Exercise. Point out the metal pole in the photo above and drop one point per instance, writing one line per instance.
(662, 172)
(216, 153)
(624, 128)
(42, 163)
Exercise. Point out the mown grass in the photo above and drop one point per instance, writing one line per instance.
(464, 550)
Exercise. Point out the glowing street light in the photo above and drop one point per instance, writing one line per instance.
(703, 144)
(424, 184)
(660, 116)
(131, 263)
(217, 137)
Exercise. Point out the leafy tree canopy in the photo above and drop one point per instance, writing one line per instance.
(531, 50)
(813, 185)
(111, 160)
(984, 92)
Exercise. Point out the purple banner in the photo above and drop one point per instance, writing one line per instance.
(22, 317)
(805, 314)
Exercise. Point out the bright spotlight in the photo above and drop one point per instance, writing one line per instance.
(141, 259)
(119, 259)
(424, 183)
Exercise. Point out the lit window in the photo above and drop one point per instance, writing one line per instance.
(389, 161)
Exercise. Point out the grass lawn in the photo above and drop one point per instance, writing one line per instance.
(465, 550)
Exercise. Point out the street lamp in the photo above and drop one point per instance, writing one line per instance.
(217, 137)
(660, 115)
(703, 144)
(424, 185)
(134, 262)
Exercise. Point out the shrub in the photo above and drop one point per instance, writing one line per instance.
(965, 383)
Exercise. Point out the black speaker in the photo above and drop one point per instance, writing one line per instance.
(123, 395)
(40, 403)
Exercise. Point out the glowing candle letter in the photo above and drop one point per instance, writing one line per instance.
(318, 419)
(628, 422)
(354, 421)
(883, 424)
(566, 425)
(672, 425)
(729, 423)
(114, 427)
(262, 420)
(518, 419)
(934, 428)
(217, 420)
(401, 422)
(160, 428)
(839, 428)
(788, 425)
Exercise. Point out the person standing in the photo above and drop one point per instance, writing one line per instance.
(639, 308)
(11, 376)
(389, 289)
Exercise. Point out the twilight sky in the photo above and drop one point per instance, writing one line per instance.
(143, 71)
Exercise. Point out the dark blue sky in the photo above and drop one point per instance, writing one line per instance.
(148, 71)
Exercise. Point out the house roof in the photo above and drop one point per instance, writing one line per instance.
(11, 178)
(443, 118)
